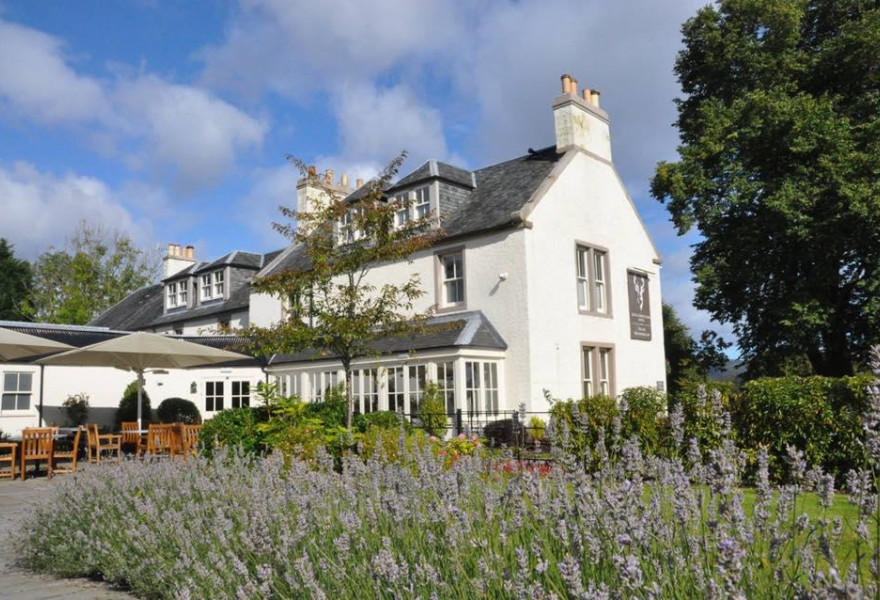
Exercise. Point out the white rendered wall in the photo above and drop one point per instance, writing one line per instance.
(265, 310)
(587, 203)
(502, 302)
(105, 386)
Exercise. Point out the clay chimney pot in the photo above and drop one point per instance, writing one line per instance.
(359, 183)
(573, 90)
(343, 181)
(566, 84)
(587, 95)
(312, 171)
(594, 94)
(190, 252)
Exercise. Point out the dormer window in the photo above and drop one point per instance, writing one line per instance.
(171, 298)
(421, 202)
(176, 294)
(212, 285)
(415, 204)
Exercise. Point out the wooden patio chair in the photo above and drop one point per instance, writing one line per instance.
(131, 436)
(99, 443)
(70, 457)
(161, 440)
(189, 439)
(8, 455)
(37, 443)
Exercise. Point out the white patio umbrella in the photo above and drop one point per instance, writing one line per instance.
(140, 351)
(19, 345)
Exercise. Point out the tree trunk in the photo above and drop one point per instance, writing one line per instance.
(349, 394)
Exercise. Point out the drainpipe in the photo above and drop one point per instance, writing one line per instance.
(42, 373)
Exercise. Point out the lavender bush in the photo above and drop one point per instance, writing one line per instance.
(638, 527)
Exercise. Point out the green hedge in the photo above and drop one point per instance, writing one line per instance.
(819, 415)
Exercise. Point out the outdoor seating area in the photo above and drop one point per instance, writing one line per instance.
(62, 450)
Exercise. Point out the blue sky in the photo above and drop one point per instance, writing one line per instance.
(170, 120)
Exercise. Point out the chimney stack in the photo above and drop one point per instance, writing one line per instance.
(177, 260)
(579, 121)
(313, 190)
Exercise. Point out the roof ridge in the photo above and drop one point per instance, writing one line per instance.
(516, 158)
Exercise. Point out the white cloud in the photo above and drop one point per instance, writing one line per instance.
(185, 128)
(174, 131)
(376, 124)
(36, 81)
(297, 47)
(43, 209)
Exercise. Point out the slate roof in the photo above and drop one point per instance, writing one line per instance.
(135, 311)
(145, 308)
(501, 190)
(237, 258)
(460, 330)
(434, 169)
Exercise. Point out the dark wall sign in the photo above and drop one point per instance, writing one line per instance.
(639, 306)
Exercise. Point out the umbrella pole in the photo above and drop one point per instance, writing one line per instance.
(140, 375)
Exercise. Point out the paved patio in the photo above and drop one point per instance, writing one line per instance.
(15, 497)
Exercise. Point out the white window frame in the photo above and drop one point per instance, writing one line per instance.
(365, 389)
(446, 382)
(205, 284)
(17, 392)
(171, 295)
(443, 282)
(592, 264)
(320, 382)
(417, 379)
(183, 293)
(597, 369)
(243, 397)
(395, 383)
(217, 399)
(421, 202)
(219, 284)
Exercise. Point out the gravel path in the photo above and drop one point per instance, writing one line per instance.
(15, 584)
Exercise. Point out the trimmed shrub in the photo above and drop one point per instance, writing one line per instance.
(820, 416)
(234, 427)
(583, 419)
(77, 408)
(704, 406)
(127, 410)
(178, 410)
(645, 417)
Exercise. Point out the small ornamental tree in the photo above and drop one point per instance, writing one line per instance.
(335, 308)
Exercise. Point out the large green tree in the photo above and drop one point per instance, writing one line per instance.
(15, 284)
(334, 306)
(779, 171)
(96, 269)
